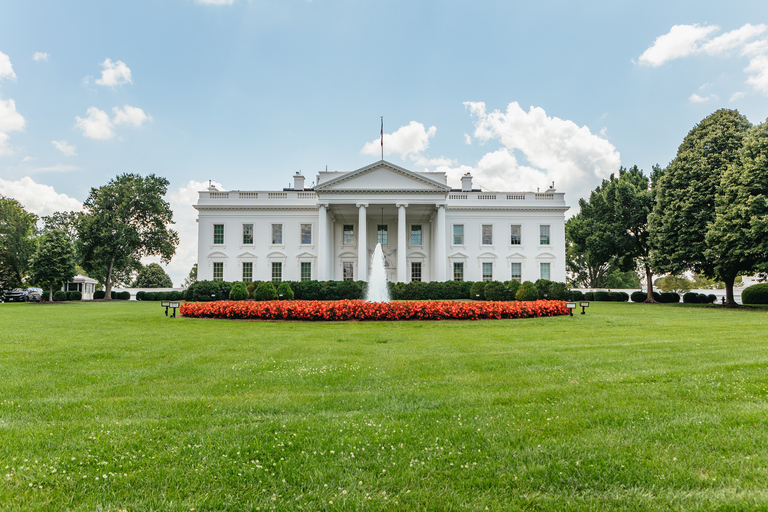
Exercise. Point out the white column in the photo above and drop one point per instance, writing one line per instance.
(440, 248)
(401, 243)
(322, 243)
(362, 243)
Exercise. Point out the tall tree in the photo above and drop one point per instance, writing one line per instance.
(591, 249)
(125, 220)
(685, 197)
(153, 276)
(737, 241)
(54, 260)
(192, 277)
(17, 228)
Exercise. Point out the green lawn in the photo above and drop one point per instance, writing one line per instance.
(113, 406)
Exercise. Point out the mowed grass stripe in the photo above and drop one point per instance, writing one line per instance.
(629, 407)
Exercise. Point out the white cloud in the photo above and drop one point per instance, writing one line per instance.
(6, 69)
(114, 73)
(10, 121)
(55, 168)
(133, 116)
(555, 149)
(467, 139)
(737, 96)
(40, 56)
(28, 159)
(733, 39)
(97, 125)
(38, 198)
(695, 98)
(66, 148)
(758, 68)
(407, 141)
(680, 41)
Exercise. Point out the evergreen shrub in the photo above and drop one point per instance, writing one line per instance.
(513, 287)
(477, 291)
(126, 295)
(149, 296)
(602, 296)
(99, 294)
(639, 296)
(668, 297)
(140, 295)
(59, 296)
(238, 292)
(755, 294)
(576, 295)
(284, 291)
(527, 291)
(495, 290)
(265, 291)
(74, 295)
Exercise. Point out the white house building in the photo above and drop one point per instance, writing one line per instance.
(428, 231)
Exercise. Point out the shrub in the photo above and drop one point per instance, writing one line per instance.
(238, 292)
(527, 292)
(495, 290)
(150, 296)
(755, 294)
(208, 290)
(640, 296)
(74, 295)
(695, 298)
(265, 291)
(513, 287)
(602, 296)
(100, 294)
(126, 295)
(712, 298)
(284, 291)
(589, 296)
(175, 295)
(543, 285)
(576, 295)
(558, 291)
(251, 288)
(669, 297)
(452, 290)
(140, 295)
(60, 296)
(477, 291)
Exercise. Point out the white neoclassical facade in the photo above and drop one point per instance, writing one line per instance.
(428, 231)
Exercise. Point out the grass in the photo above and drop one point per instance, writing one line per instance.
(113, 406)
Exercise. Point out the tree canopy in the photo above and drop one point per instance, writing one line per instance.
(686, 195)
(17, 228)
(153, 276)
(124, 221)
(53, 263)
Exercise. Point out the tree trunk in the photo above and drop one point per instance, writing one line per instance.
(729, 300)
(108, 281)
(50, 294)
(649, 282)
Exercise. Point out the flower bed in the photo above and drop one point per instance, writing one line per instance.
(321, 310)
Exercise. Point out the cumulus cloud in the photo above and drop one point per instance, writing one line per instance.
(554, 149)
(38, 56)
(684, 40)
(114, 73)
(133, 116)
(10, 121)
(6, 69)
(695, 98)
(38, 198)
(97, 125)
(65, 148)
(680, 41)
(407, 140)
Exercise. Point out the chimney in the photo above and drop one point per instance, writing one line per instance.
(466, 183)
(212, 187)
(298, 181)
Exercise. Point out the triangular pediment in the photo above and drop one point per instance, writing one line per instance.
(382, 176)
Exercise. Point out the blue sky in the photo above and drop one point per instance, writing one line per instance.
(246, 93)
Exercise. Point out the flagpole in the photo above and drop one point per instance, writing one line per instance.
(382, 137)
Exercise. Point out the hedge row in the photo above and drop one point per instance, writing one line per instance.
(204, 291)
(172, 295)
(755, 294)
(115, 295)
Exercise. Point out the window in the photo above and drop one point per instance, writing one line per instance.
(517, 272)
(516, 236)
(382, 231)
(458, 271)
(349, 271)
(306, 234)
(218, 233)
(277, 271)
(458, 234)
(247, 271)
(218, 270)
(487, 271)
(277, 234)
(544, 270)
(306, 271)
(349, 234)
(416, 234)
(415, 271)
(487, 238)
(544, 235)
(247, 234)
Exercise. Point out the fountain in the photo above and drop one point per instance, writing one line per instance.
(377, 283)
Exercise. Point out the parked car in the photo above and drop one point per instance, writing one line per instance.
(23, 295)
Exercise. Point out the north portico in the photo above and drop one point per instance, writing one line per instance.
(428, 231)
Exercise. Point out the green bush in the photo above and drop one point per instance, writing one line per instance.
(513, 287)
(640, 296)
(265, 291)
(755, 294)
(542, 286)
(668, 298)
(576, 295)
(203, 291)
(711, 298)
(126, 295)
(175, 295)
(238, 292)
(284, 291)
(60, 296)
(251, 288)
(150, 296)
(618, 296)
(140, 295)
(602, 296)
(495, 290)
(74, 295)
(698, 298)
(99, 294)
(527, 291)
(559, 291)
(589, 296)
(477, 291)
